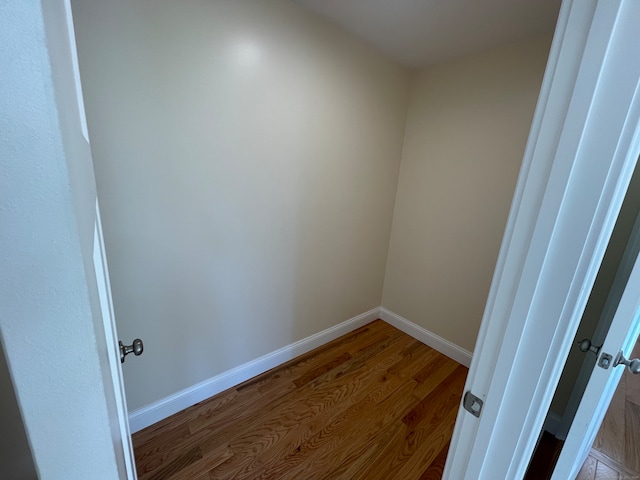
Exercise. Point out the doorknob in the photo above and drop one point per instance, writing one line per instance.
(136, 348)
(633, 365)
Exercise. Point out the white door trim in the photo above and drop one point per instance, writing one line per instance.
(602, 384)
(612, 301)
(579, 159)
(74, 127)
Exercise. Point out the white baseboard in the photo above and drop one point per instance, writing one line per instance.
(163, 408)
(445, 347)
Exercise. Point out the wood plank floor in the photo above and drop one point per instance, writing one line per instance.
(374, 404)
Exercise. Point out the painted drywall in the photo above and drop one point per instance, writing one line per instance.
(467, 127)
(16, 460)
(246, 156)
(51, 337)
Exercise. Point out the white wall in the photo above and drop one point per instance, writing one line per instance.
(246, 156)
(53, 347)
(467, 126)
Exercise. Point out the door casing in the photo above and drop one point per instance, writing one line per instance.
(581, 152)
(603, 382)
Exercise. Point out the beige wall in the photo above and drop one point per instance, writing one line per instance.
(466, 132)
(246, 156)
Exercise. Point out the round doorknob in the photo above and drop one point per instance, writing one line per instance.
(632, 365)
(136, 348)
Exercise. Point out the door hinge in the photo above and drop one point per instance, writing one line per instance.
(586, 346)
(472, 404)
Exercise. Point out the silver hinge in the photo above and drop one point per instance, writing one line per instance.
(586, 346)
(472, 404)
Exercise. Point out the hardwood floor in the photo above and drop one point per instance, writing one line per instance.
(374, 404)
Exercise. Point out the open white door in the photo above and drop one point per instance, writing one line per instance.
(111, 336)
(582, 149)
(603, 382)
(51, 315)
(605, 320)
(75, 129)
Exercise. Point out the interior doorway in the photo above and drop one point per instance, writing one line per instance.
(615, 452)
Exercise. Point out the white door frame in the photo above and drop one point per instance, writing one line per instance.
(70, 103)
(602, 383)
(621, 278)
(103, 303)
(50, 315)
(581, 152)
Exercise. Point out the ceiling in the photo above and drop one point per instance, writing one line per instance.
(419, 33)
